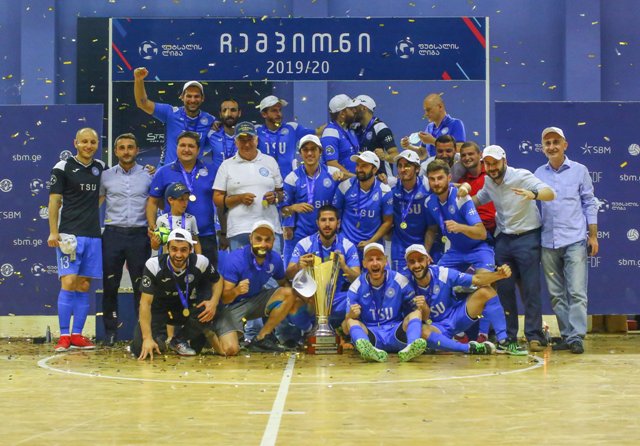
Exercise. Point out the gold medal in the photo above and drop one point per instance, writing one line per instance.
(403, 225)
(192, 197)
(358, 225)
(185, 312)
(265, 204)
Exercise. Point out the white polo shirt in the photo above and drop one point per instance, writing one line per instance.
(258, 176)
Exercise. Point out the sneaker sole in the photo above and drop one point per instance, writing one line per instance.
(536, 346)
(372, 354)
(76, 347)
(415, 349)
(61, 349)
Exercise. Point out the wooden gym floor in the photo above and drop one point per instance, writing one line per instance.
(106, 397)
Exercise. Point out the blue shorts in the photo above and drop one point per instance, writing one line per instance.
(88, 262)
(481, 258)
(457, 321)
(385, 337)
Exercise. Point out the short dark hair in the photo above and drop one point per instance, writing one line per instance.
(189, 134)
(444, 139)
(437, 165)
(229, 99)
(125, 136)
(471, 144)
(328, 208)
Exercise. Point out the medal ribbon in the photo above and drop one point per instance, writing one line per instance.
(170, 218)
(189, 182)
(405, 209)
(183, 297)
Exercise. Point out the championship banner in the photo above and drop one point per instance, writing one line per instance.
(33, 138)
(324, 49)
(601, 137)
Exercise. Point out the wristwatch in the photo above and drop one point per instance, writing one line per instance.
(535, 193)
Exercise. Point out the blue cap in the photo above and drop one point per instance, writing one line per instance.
(175, 190)
(245, 129)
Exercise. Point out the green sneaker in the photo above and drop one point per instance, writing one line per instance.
(484, 348)
(415, 349)
(369, 352)
(511, 348)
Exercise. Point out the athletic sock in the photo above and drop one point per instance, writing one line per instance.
(414, 330)
(356, 332)
(494, 313)
(65, 310)
(80, 311)
(437, 341)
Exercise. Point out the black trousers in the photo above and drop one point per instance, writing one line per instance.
(119, 245)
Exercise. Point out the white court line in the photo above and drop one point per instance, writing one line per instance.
(43, 364)
(271, 432)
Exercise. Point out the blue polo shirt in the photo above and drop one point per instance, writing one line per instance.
(222, 147)
(241, 264)
(388, 304)
(176, 121)
(362, 212)
(201, 179)
(410, 205)
(339, 144)
(439, 293)
(448, 126)
(282, 144)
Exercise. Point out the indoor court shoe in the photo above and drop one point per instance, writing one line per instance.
(486, 348)
(64, 343)
(369, 352)
(267, 344)
(536, 345)
(413, 350)
(81, 343)
(560, 346)
(110, 339)
(511, 348)
(482, 338)
(577, 347)
(181, 348)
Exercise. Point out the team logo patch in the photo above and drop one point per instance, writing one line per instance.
(146, 281)
(284, 132)
(204, 121)
(369, 135)
(436, 289)
(95, 171)
(444, 131)
(330, 150)
(190, 278)
(375, 197)
(391, 292)
(326, 183)
(264, 171)
(452, 209)
(203, 172)
(270, 268)
(419, 195)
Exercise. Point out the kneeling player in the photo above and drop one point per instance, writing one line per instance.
(381, 315)
(450, 315)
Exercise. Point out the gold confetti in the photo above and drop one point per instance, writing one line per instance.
(66, 62)
(623, 43)
(161, 91)
(381, 25)
(264, 17)
(624, 164)
(394, 92)
(412, 20)
(606, 138)
(595, 23)
(553, 87)
(48, 81)
(15, 134)
(475, 133)
(94, 40)
(204, 70)
(582, 123)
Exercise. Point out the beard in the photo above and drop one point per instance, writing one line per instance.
(363, 176)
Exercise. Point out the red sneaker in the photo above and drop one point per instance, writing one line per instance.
(462, 338)
(63, 343)
(482, 338)
(80, 342)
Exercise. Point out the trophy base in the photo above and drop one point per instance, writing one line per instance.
(324, 345)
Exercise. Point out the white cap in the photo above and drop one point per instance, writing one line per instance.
(553, 130)
(263, 224)
(367, 157)
(409, 155)
(373, 247)
(367, 101)
(193, 84)
(340, 102)
(182, 235)
(496, 152)
(416, 248)
(309, 138)
(304, 284)
(68, 243)
(270, 101)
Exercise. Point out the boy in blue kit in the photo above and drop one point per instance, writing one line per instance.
(466, 245)
(382, 312)
(448, 313)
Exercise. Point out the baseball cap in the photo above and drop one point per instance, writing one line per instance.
(340, 102)
(367, 101)
(415, 248)
(309, 138)
(373, 247)
(181, 235)
(367, 157)
(304, 284)
(262, 224)
(553, 130)
(245, 128)
(68, 243)
(175, 190)
(270, 101)
(193, 84)
(496, 152)
(409, 155)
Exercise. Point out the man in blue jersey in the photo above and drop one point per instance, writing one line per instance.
(465, 241)
(189, 117)
(246, 271)
(382, 314)
(322, 244)
(306, 189)
(198, 178)
(409, 213)
(278, 139)
(448, 313)
(365, 203)
(74, 231)
(222, 142)
(339, 141)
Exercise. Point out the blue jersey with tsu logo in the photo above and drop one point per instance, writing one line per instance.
(241, 264)
(439, 293)
(339, 144)
(408, 206)
(282, 144)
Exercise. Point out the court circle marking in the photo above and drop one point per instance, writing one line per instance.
(43, 363)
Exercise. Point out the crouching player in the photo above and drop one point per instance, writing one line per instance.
(449, 314)
(380, 313)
